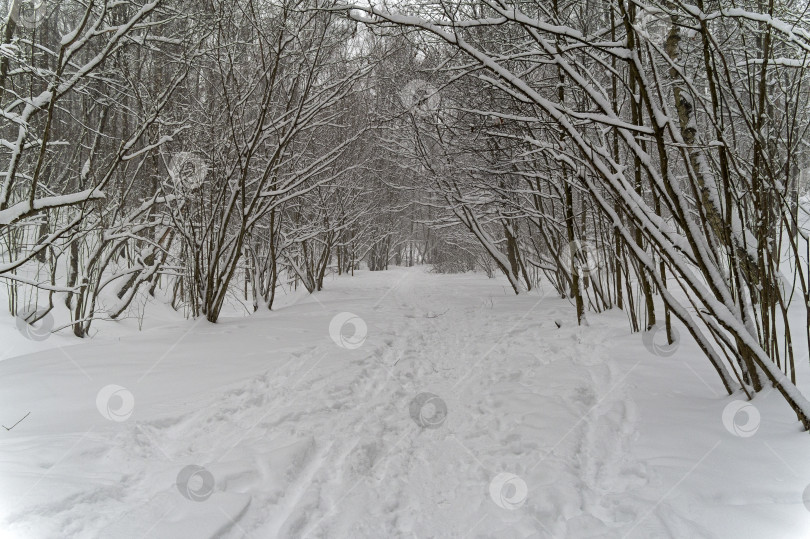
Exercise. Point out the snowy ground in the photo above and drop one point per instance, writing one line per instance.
(548, 432)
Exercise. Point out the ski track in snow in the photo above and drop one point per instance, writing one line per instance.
(319, 442)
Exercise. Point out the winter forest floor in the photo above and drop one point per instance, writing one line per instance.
(527, 429)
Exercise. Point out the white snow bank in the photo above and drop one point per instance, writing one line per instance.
(273, 426)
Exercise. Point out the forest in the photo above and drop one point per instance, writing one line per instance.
(646, 159)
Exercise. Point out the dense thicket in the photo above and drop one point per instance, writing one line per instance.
(633, 151)
(648, 156)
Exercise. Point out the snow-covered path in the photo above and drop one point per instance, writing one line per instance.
(548, 432)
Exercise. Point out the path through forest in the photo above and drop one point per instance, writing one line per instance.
(457, 410)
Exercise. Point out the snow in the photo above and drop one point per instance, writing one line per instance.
(21, 209)
(446, 407)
